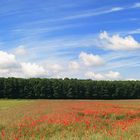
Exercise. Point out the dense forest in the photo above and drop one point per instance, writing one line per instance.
(36, 88)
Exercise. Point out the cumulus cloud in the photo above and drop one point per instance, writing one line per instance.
(73, 65)
(91, 59)
(8, 64)
(7, 60)
(11, 67)
(33, 70)
(96, 76)
(116, 42)
(111, 75)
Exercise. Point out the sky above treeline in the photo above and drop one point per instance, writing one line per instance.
(86, 39)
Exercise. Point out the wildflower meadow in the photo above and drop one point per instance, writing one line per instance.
(69, 120)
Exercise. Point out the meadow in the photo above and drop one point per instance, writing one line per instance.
(69, 120)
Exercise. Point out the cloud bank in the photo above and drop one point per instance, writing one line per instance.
(111, 75)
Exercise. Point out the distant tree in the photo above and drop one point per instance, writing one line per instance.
(37, 88)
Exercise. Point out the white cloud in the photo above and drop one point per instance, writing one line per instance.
(111, 75)
(96, 76)
(73, 65)
(91, 59)
(3, 72)
(33, 70)
(56, 68)
(20, 51)
(11, 67)
(116, 42)
(7, 60)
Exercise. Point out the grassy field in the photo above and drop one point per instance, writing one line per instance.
(69, 120)
(5, 104)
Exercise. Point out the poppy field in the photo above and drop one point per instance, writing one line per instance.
(69, 120)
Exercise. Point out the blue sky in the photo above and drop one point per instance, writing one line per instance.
(97, 39)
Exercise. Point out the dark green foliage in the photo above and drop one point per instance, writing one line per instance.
(37, 88)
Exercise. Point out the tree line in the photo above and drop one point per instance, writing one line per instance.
(37, 88)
